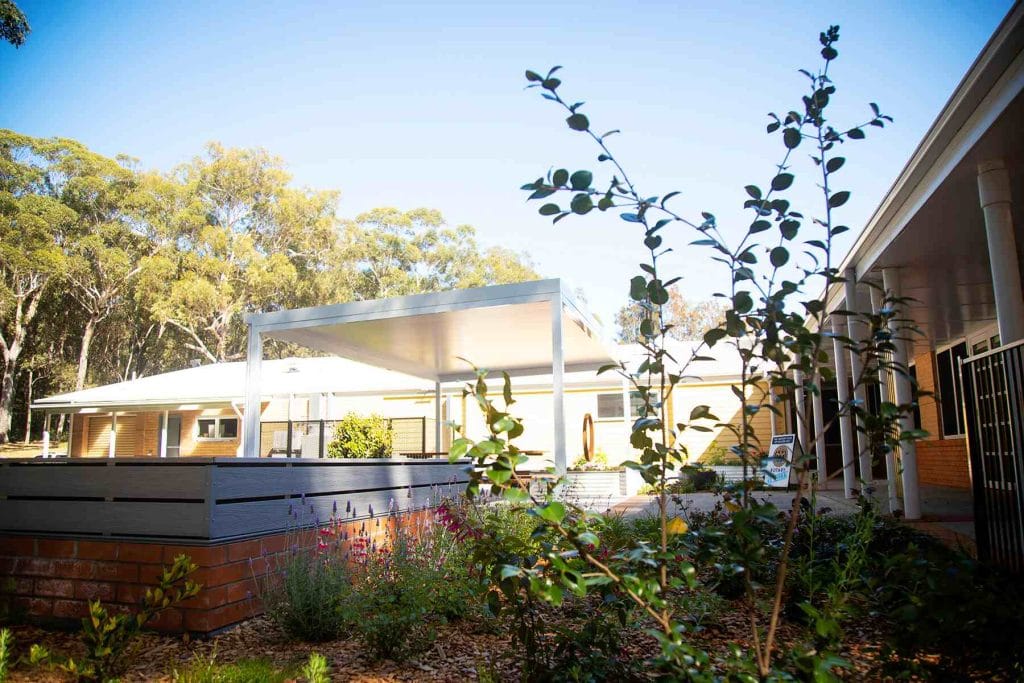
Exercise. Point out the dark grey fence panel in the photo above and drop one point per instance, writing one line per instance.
(993, 385)
(211, 499)
(295, 477)
(106, 518)
(106, 478)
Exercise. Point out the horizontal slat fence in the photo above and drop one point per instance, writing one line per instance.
(210, 499)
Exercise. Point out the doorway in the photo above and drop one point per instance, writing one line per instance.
(173, 436)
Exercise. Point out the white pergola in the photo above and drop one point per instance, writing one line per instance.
(530, 328)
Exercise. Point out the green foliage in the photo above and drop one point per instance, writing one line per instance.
(13, 24)
(306, 594)
(206, 670)
(358, 436)
(316, 669)
(6, 650)
(108, 637)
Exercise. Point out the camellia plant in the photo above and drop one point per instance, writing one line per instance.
(774, 325)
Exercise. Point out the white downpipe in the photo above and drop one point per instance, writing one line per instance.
(163, 434)
(904, 396)
(885, 390)
(113, 435)
(856, 368)
(843, 394)
(437, 417)
(557, 384)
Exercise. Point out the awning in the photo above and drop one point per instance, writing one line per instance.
(529, 328)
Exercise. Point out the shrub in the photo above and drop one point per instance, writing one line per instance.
(358, 436)
(6, 647)
(717, 455)
(305, 595)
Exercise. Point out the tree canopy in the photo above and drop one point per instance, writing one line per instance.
(109, 272)
(686, 320)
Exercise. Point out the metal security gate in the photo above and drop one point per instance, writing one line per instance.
(993, 385)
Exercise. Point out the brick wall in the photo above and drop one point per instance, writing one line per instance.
(943, 462)
(52, 580)
(940, 461)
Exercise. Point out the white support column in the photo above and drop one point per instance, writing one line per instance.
(113, 435)
(163, 433)
(819, 434)
(996, 202)
(885, 391)
(437, 417)
(71, 432)
(843, 394)
(904, 396)
(557, 383)
(46, 443)
(801, 414)
(253, 367)
(856, 368)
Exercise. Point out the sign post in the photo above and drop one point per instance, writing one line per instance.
(777, 465)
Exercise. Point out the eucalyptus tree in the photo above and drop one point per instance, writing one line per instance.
(249, 243)
(684, 319)
(13, 24)
(34, 227)
(389, 252)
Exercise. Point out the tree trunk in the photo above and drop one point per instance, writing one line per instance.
(83, 356)
(6, 398)
(28, 410)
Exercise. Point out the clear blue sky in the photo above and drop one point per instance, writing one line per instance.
(422, 104)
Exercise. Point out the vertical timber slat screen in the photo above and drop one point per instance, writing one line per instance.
(993, 385)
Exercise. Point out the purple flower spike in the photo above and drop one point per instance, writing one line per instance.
(334, 508)
(348, 506)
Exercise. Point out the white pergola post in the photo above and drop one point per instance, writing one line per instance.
(819, 433)
(113, 435)
(904, 396)
(856, 369)
(885, 391)
(558, 384)
(163, 433)
(46, 442)
(251, 433)
(843, 394)
(437, 417)
(996, 203)
(801, 417)
(71, 432)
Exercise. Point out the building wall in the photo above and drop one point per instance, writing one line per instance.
(139, 435)
(940, 461)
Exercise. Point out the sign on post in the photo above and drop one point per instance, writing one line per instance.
(777, 465)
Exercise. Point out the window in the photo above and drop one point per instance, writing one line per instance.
(218, 428)
(610, 405)
(950, 392)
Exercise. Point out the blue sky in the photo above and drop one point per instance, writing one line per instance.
(416, 104)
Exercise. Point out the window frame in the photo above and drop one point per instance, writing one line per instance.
(217, 420)
(957, 393)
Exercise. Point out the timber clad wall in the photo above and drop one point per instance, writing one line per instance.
(940, 461)
(53, 579)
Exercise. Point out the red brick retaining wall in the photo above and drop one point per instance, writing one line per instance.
(51, 579)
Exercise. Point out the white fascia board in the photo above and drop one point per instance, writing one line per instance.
(415, 304)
